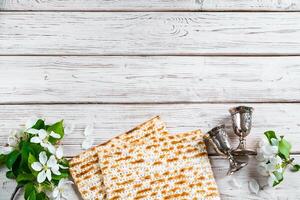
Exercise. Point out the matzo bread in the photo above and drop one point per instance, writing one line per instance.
(168, 167)
(84, 167)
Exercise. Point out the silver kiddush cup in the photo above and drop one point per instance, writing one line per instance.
(219, 139)
(242, 123)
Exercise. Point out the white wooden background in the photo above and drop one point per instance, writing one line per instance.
(119, 62)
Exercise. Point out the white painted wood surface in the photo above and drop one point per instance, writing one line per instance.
(150, 33)
(192, 74)
(149, 79)
(152, 5)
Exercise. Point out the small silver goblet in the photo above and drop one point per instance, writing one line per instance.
(219, 139)
(242, 122)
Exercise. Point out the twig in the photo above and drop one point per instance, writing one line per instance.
(15, 192)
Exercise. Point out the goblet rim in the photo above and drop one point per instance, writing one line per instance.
(213, 131)
(241, 109)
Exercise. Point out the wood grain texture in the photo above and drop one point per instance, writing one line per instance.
(149, 33)
(152, 5)
(149, 79)
(228, 192)
(112, 120)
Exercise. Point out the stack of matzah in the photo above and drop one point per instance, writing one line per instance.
(146, 163)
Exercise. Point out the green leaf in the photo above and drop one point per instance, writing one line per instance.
(270, 135)
(284, 148)
(41, 196)
(40, 124)
(16, 168)
(58, 128)
(279, 177)
(2, 159)
(10, 175)
(32, 159)
(21, 178)
(296, 168)
(58, 177)
(11, 158)
(25, 150)
(29, 187)
(32, 196)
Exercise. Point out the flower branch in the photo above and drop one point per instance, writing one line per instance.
(35, 160)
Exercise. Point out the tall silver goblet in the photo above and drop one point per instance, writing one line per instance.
(219, 139)
(242, 122)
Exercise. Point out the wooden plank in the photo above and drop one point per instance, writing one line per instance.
(151, 33)
(149, 79)
(152, 5)
(288, 189)
(112, 120)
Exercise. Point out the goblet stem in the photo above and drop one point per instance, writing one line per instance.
(242, 144)
(234, 165)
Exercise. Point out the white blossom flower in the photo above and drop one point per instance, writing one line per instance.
(269, 161)
(12, 141)
(60, 191)
(45, 167)
(42, 138)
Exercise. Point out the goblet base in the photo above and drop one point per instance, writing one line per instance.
(236, 166)
(243, 152)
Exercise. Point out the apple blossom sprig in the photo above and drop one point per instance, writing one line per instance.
(35, 160)
(274, 158)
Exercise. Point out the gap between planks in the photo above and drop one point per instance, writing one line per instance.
(146, 103)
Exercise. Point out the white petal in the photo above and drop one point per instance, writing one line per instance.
(253, 186)
(43, 157)
(274, 141)
(65, 194)
(69, 128)
(261, 169)
(269, 150)
(6, 150)
(41, 177)
(59, 152)
(48, 174)
(263, 142)
(42, 134)
(234, 183)
(50, 147)
(55, 192)
(52, 162)
(54, 135)
(36, 166)
(55, 171)
(32, 131)
(260, 157)
(12, 140)
(58, 197)
(31, 122)
(87, 143)
(35, 140)
(88, 130)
